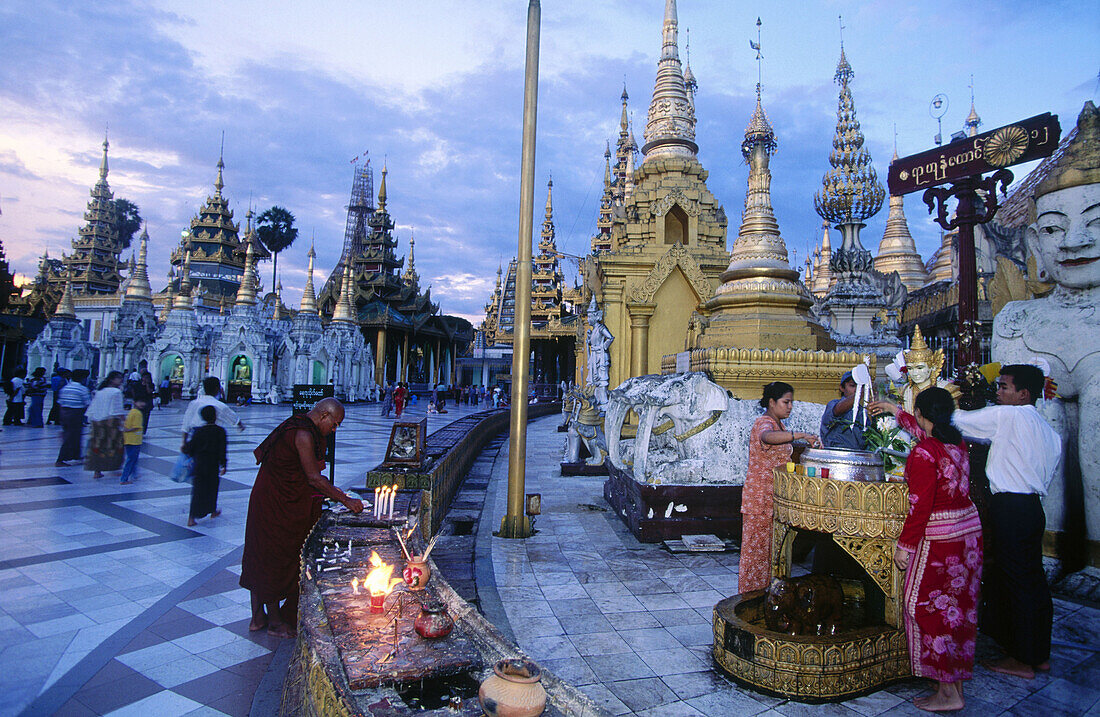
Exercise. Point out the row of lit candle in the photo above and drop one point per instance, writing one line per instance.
(811, 471)
(383, 501)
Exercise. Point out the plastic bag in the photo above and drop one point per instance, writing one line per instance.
(184, 469)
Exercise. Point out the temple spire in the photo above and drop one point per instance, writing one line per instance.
(139, 288)
(65, 308)
(309, 297)
(183, 298)
(972, 120)
(345, 309)
(850, 192)
(103, 168)
(410, 277)
(670, 125)
(382, 191)
(219, 184)
(246, 293)
(759, 243)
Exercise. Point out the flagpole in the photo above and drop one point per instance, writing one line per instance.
(515, 524)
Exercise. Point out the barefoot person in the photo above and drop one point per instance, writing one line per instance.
(281, 513)
(940, 550)
(769, 448)
(207, 446)
(1023, 456)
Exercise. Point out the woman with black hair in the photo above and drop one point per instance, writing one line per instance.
(769, 448)
(105, 415)
(940, 548)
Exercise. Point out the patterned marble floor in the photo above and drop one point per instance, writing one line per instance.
(109, 605)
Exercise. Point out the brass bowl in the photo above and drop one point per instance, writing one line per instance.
(862, 466)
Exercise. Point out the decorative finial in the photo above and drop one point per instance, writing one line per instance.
(218, 183)
(382, 188)
(670, 125)
(759, 57)
(309, 297)
(103, 163)
(972, 120)
(759, 132)
(246, 292)
(65, 307)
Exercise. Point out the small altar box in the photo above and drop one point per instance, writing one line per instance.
(406, 446)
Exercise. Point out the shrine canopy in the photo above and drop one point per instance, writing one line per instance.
(1033, 138)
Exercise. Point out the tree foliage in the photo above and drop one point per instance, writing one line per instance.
(277, 232)
(128, 221)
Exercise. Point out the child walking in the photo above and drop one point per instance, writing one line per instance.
(207, 446)
(133, 431)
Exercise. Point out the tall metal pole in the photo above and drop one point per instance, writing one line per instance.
(515, 524)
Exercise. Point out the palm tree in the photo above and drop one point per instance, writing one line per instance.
(276, 230)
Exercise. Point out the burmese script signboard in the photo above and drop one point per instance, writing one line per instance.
(302, 398)
(1019, 142)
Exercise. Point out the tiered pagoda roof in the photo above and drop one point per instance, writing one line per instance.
(216, 247)
(381, 297)
(94, 262)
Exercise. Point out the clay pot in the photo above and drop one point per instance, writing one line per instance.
(416, 573)
(513, 690)
(433, 622)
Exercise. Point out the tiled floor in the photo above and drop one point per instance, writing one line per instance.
(109, 605)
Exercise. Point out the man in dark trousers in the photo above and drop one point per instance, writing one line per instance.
(1023, 456)
(282, 510)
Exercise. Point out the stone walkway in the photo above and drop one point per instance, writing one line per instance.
(109, 605)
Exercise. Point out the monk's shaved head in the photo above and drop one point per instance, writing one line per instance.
(328, 408)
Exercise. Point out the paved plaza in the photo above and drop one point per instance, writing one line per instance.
(110, 605)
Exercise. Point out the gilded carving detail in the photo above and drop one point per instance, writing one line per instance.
(661, 207)
(677, 256)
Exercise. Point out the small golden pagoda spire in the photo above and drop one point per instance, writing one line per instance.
(972, 120)
(139, 278)
(183, 298)
(670, 125)
(897, 251)
(103, 163)
(345, 309)
(309, 297)
(382, 190)
(246, 292)
(65, 308)
(410, 277)
(218, 183)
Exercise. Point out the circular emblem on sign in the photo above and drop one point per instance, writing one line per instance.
(1005, 146)
(903, 175)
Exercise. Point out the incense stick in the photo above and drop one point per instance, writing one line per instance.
(431, 544)
(401, 542)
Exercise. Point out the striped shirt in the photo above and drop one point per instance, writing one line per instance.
(74, 395)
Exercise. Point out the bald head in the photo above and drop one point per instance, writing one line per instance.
(327, 414)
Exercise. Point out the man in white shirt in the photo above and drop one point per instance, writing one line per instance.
(1023, 456)
(227, 417)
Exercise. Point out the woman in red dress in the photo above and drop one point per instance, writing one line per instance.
(940, 549)
(769, 448)
(399, 395)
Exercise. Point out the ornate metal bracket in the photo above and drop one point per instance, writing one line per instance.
(967, 189)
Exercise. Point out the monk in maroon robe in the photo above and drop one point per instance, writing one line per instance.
(282, 511)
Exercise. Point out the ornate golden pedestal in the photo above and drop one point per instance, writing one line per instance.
(865, 520)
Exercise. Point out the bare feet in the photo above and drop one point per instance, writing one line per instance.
(97, 475)
(256, 626)
(1043, 666)
(216, 513)
(191, 522)
(281, 629)
(947, 698)
(1012, 666)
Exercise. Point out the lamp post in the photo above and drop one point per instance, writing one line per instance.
(515, 524)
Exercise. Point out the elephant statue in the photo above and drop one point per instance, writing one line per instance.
(684, 404)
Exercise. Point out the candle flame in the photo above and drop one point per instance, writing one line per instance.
(380, 580)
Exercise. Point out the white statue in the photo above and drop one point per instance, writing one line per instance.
(599, 339)
(584, 427)
(273, 395)
(690, 431)
(1064, 326)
